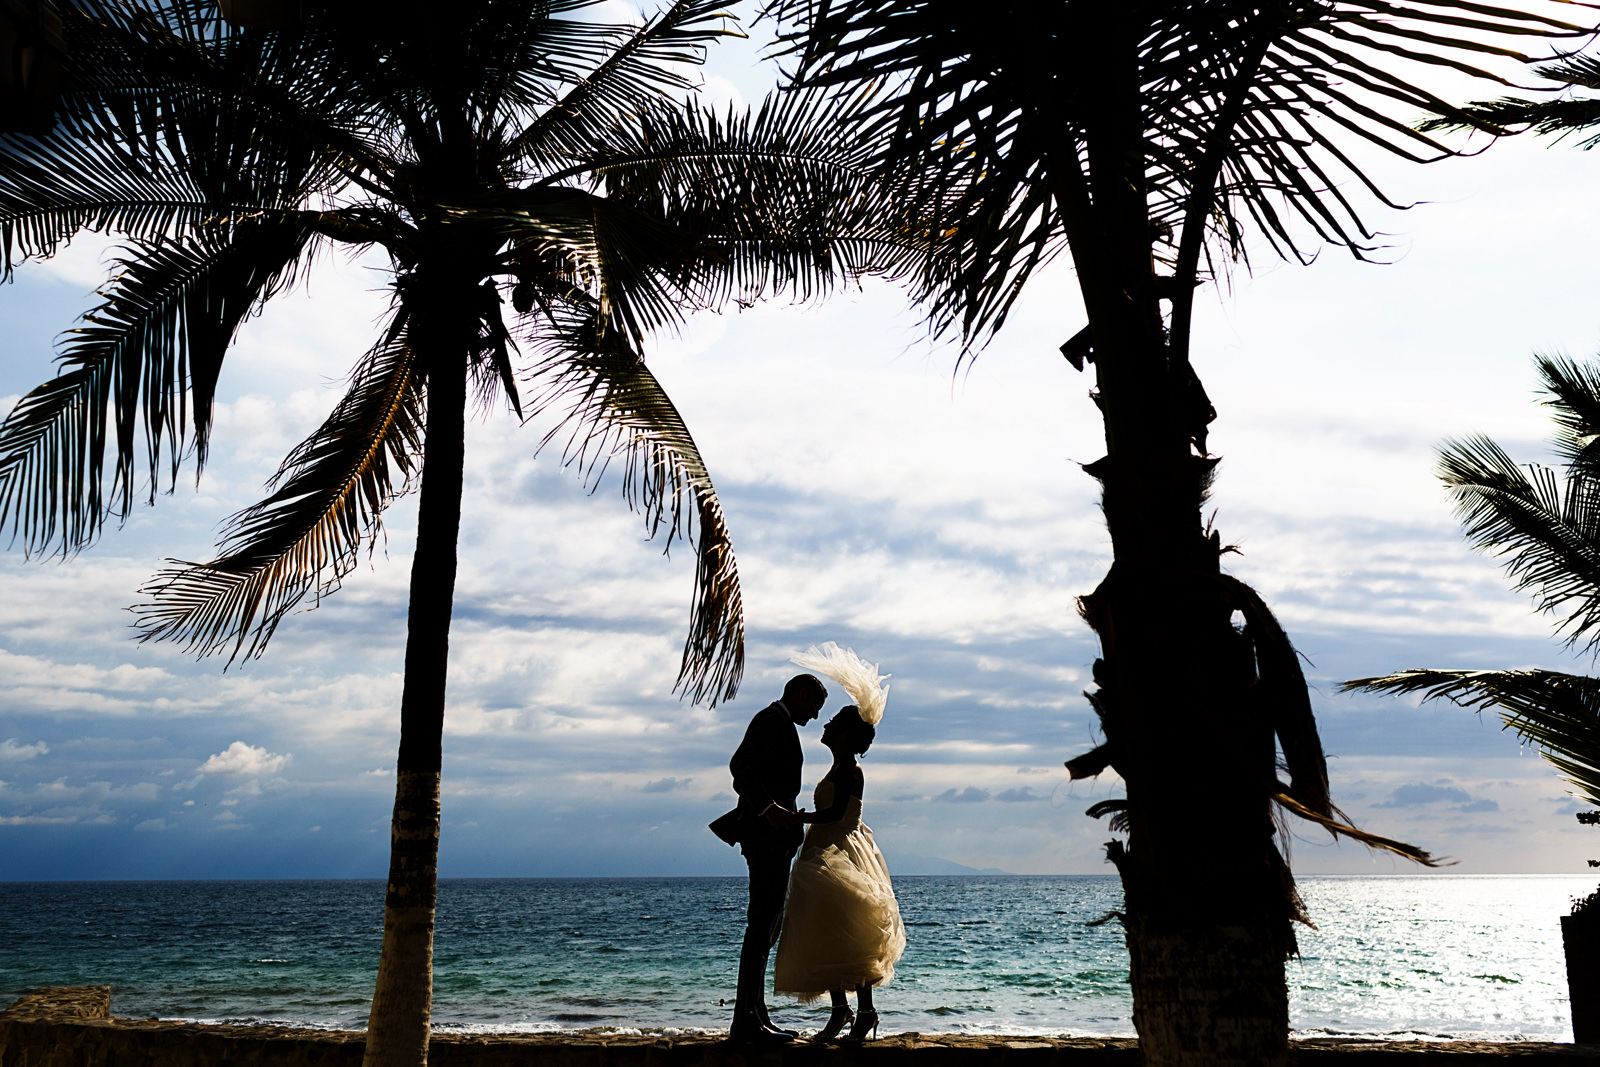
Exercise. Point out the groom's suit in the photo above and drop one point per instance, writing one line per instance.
(766, 771)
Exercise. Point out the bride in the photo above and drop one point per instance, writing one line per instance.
(841, 926)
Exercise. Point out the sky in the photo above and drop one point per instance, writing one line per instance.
(934, 518)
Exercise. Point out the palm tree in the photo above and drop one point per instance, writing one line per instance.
(1544, 524)
(483, 145)
(1150, 140)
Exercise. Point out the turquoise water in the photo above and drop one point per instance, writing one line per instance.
(1435, 956)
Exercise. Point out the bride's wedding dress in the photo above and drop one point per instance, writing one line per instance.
(841, 925)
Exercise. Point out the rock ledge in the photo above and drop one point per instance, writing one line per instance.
(72, 1026)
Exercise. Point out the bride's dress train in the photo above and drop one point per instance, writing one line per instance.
(841, 925)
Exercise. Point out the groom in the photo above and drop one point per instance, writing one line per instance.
(766, 775)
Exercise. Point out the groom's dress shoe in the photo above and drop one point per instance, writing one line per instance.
(759, 1035)
(768, 1024)
(763, 1021)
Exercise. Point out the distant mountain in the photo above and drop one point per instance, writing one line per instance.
(911, 863)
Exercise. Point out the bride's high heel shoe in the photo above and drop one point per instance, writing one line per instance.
(840, 1018)
(866, 1019)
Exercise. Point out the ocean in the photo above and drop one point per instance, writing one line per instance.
(1436, 956)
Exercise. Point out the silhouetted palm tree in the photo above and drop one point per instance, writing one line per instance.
(1151, 140)
(1545, 524)
(483, 145)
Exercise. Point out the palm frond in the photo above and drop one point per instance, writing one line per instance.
(1559, 113)
(518, 53)
(50, 192)
(1578, 71)
(304, 538)
(137, 377)
(1558, 713)
(785, 192)
(634, 75)
(1249, 118)
(615, 409)
(1545, 528)
(1557, 118)
(275, 113)
(167, 122)
(499, 61)
(1338, 74)
(1574, 404)
(639, 269)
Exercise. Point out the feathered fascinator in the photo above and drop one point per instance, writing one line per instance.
(860, 679)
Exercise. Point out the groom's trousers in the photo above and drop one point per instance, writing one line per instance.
(769, 882)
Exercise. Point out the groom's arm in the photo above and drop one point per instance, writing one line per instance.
(751, 767)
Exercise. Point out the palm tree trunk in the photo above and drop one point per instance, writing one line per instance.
(398, 1027)
(1206, 910)
(1208, 995)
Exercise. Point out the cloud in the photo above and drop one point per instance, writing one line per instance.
(970, 795)
(240, 758)
(666, 785)
(1017, 796)
(150, 826)
(1482, 804)
(720, 93)
(56, 686)
(82, 261)
(12, 751)
(1420, 793)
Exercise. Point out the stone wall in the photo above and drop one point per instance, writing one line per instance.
(72, 1026)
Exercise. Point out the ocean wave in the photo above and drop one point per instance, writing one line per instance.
(261, 1020)
(1491, 1036)
(945, 1014)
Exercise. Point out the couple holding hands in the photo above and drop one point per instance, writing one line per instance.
(840, 925)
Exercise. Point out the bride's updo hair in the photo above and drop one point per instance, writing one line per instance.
(861, 734)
